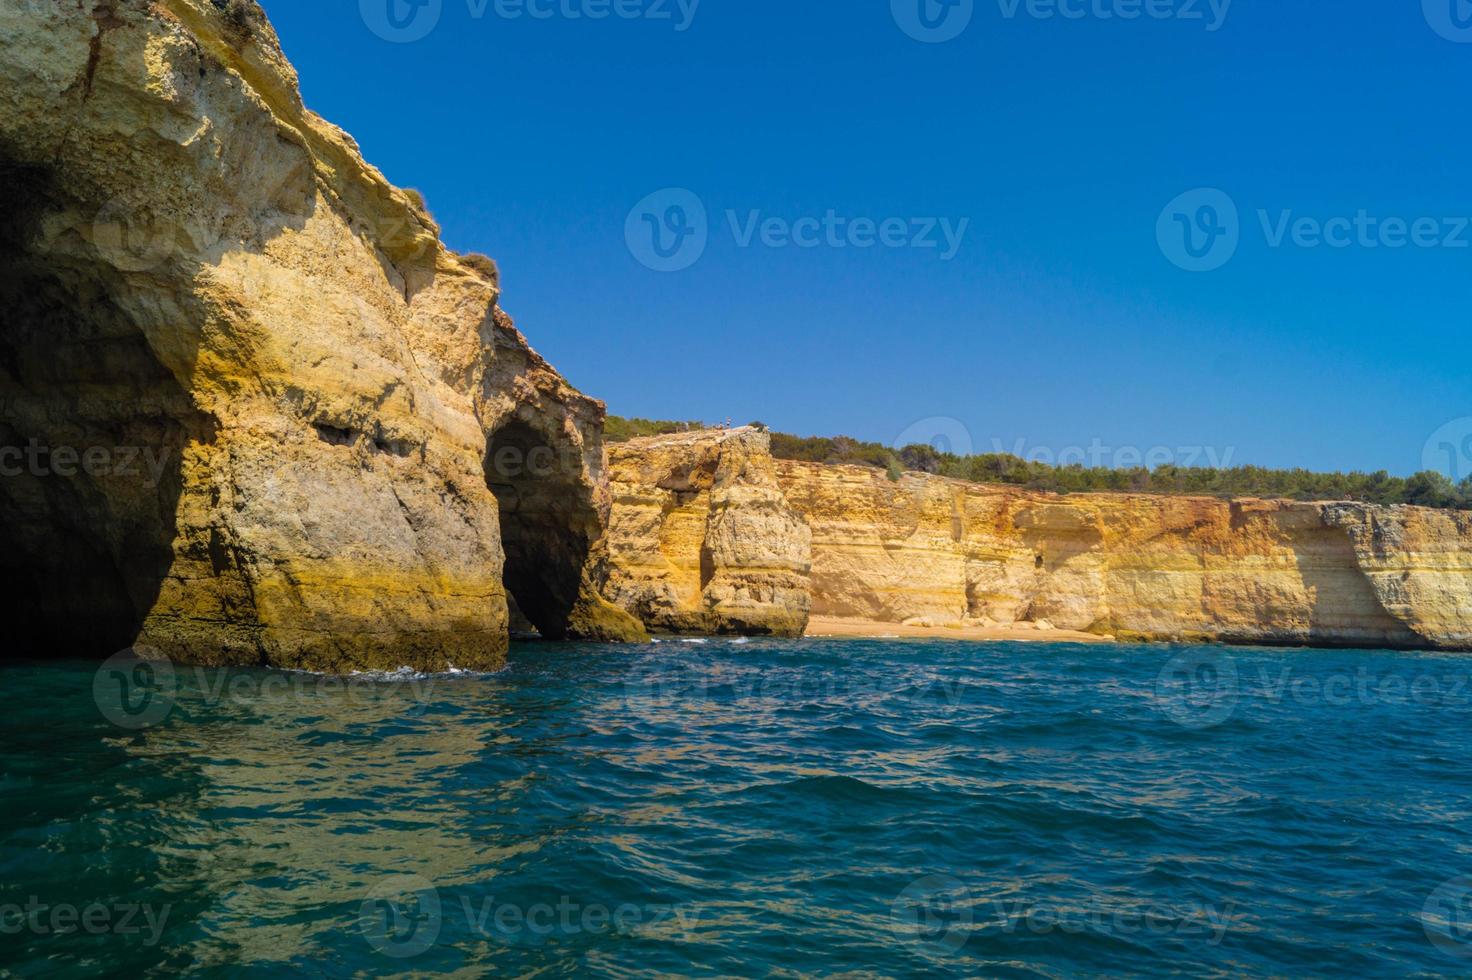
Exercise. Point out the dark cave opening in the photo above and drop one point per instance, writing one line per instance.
(548, 524)
(92, 432)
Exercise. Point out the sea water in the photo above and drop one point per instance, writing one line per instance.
(808, 807)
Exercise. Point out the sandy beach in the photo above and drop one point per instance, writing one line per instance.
(822, 626)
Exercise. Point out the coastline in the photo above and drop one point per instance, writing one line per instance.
(824, 626)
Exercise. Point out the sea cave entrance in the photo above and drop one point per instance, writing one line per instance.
(92, 430)
(548, 523)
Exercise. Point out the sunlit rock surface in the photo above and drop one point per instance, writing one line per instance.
(252, 411)
(944, 552)
(701, 539)
(197, 271)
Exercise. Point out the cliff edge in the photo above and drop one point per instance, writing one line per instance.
(934, 551)
(253, 411)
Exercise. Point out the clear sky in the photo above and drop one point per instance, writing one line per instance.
(1064, 318)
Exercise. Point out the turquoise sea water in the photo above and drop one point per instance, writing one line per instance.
(814, 807)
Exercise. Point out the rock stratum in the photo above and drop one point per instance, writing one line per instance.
(701, 538)
(931, 551)
(252, 411)
(352, 452)
(699, 516)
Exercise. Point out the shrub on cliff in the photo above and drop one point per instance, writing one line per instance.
(416, 198)
(618, 429)
(1430, 489)
(484, 265)
(921, 458)
(1423, 489)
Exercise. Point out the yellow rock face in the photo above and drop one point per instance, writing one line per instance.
(943, 552)
(196, 269)
(252, 411)
(700, 539)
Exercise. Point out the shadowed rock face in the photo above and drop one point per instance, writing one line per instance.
(206, 281)
(547, 526)
(552, 532)
(93, 429)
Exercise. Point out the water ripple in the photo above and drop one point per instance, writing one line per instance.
(819, 807)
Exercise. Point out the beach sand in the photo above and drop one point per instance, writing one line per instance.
(823, 626)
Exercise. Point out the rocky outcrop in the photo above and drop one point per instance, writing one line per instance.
(253, 412)
(700, 538)
(250, 408)
(930, 550)
(708, 534)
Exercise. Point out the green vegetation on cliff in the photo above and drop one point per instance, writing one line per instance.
(622, 430)
(1427, 489)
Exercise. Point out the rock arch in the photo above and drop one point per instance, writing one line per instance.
(548, 523)
(92, 434)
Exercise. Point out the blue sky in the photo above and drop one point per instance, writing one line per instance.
(1061, 320)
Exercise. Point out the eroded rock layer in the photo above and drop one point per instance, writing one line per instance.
(701, 539)
(204, 281)
(934, 551)
(252, 411)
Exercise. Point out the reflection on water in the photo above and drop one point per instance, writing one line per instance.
(795, 807)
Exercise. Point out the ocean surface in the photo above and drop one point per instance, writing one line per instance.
(764, 808)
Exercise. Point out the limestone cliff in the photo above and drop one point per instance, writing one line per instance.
(250, 408)
(252, 411)
(700, 538)
(942, 551)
